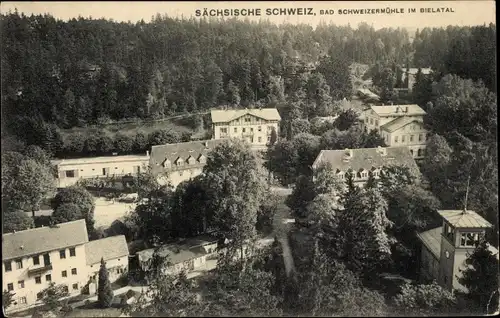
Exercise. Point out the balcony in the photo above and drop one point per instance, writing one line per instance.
(39, 270)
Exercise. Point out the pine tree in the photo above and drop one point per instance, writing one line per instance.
(104, 291)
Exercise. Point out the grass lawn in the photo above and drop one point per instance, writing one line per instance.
(131, 128)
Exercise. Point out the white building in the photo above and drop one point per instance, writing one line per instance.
(181, 161)
(113, 250)
(34, 258)
(189, 255)
(69, 171)
(445, 248)
(399, 125)
(361, 161)
(253, 125)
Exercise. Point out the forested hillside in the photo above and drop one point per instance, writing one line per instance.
(58, 74)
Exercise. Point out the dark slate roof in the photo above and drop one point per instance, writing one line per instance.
(459, 219)
(182, 150)
(432, 241)
(398, 123)
(366, 158)
(44, 239)
(108, 248)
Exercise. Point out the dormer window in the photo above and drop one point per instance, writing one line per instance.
(202, 159)
(363, 174)
(191, 160)
(167, 164)
(179, 162)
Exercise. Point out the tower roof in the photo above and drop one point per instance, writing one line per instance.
(464, 219)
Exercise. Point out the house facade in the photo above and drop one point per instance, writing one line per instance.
(445, 249)
(70, 171)
(361, 161)
(180, 162)
(114, 251)
(252, 125)
(399, 125)
(34, 258)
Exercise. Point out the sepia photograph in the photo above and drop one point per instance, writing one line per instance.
(266, 159)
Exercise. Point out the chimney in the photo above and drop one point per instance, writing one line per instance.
(392, 103)
(22, 246)
(205, 143)
(347, 154)
(406, 109)
(147, 153)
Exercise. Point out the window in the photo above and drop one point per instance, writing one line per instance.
(38, 280)
(420, 153)
(22, 300)
(75, 286)
(420, 137)
(364, 175)
(376, 122)
(247, 119)
(223, 130)
(20, 284)
(64, 273)
(70, 173)
(371, 121)
(48, 277)
(36, 260)
(73, 271)
(259, 128)
(396, 139)
(445, 279)
(235, 129)
(260, 139)
(8, 266)
(469, 239)
(411, 151)
(411, 138)
(137, 169)
(62, 254)
(251, 129)
(72, 252)
(268, 138)
(403, 138)
(10, 286)
(65, 288)
(105, 171)
(243, 129)
(46, 259)
(19, 264)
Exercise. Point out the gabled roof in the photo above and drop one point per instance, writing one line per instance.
(432, 240)
(459, 219)
(366, 158)
(224, 116)
(185, 149)
(397, 110)
(398, 123)
(108, 248)
(44, 239)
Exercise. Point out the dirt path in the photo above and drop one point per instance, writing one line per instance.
(281, 225)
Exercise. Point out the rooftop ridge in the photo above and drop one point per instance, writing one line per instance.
(44, 227)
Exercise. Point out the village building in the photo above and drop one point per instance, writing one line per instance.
(115, 253)
(70, 171)
(34, 258)
(367, 95)
(445, 248)
(187, 255)
(360, 162)
(399, 125)
(252, 125)
(180, 162)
